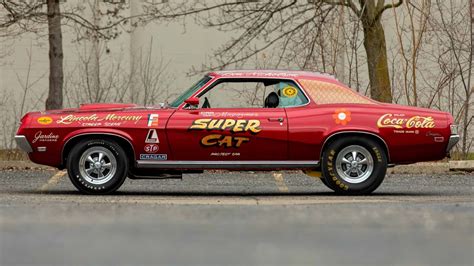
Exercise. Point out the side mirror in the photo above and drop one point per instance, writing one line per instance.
(193, 101)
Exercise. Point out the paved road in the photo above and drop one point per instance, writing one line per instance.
(281, 218)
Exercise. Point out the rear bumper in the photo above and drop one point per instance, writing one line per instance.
(453, 139)
(23, 143)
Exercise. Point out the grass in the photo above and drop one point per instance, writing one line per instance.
(12, 155)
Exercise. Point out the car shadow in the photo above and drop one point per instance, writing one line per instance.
(229, 194)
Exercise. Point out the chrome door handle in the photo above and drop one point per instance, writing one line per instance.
(279, 119)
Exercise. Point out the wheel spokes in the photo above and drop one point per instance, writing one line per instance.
(345, 160)
(354, 155)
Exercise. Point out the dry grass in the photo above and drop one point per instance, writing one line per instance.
(13, 155)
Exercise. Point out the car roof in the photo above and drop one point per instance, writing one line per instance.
(268, 73)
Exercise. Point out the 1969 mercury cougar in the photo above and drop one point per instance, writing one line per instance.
(240, 120)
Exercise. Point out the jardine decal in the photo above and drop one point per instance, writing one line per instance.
(400, 121)
(40, 137)
(233, 125)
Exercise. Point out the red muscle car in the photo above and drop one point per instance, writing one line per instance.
(240, 120)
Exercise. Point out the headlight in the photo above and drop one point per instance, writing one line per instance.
(454, 129)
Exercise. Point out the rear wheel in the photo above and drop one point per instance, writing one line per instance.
(97, 166)
(353, 165)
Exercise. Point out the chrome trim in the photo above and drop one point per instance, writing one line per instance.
(357, 132)
(453, 139)
(226, 164)
(23, 143)
(95, 133)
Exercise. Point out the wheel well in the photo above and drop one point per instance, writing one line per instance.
(123, 142)
(366, 135)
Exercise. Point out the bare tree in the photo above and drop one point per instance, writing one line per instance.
(267, 24)
(116, 78)
(455, 25)
(55, 95)
(17, 17)
(13, 108)
(416, 17)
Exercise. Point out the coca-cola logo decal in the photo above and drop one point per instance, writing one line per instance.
(401, 121)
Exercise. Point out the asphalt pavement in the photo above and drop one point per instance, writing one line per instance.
(233, 218)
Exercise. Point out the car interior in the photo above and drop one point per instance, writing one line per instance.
(251, 93)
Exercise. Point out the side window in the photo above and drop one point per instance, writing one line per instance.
(252, 93)
(290, 94)
(235, 95)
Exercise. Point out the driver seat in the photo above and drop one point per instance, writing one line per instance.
(272, 100)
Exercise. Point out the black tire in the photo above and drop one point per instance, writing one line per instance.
(334, 168)
(78, 166)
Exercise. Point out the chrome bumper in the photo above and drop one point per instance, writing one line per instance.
(453, 139)
(23, 143)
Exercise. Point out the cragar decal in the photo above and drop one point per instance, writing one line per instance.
(233, 125)
(400, 121)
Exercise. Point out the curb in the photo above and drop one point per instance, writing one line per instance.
(461, 165)
(22, 165)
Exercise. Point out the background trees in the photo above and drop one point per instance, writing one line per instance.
(287, 26)
(409, 52)
(19, 17)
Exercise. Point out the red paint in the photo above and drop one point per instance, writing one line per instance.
(296, 133)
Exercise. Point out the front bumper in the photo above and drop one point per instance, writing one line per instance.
(23, 143)
(453, 139)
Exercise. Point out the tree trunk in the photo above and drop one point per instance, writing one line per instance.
(376, 50)
(55, 95)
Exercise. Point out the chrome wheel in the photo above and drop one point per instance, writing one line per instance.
(354, 164)
(97, 165)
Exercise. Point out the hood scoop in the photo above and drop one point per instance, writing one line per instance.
(97, 106)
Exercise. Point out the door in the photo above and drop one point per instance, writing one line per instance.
(229, 135)
(235, 121)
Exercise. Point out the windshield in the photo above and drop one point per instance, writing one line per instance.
(190, 92)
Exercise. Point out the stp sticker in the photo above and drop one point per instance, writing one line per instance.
(153, 120)
(151, 148)
(152, 136)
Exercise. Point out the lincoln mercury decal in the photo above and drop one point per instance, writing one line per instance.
(235, 126)
(69, 119)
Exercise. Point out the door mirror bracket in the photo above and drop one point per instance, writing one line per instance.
(192, 102)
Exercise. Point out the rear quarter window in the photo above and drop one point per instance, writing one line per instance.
(329, 93)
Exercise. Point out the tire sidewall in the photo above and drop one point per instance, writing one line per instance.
(84, 186)
(336, 183)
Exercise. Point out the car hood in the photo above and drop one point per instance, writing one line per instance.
(90, 107)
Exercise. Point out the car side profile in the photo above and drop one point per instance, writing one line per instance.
(240, 120)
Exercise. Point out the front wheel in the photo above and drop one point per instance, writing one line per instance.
(354, 165)
(97, 166)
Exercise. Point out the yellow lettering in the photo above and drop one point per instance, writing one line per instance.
(200, 123)
(215, 124)
(226, 140)
(240, 140)
(253, 125)
(210, 140)
(228, 123)
(239, 125)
